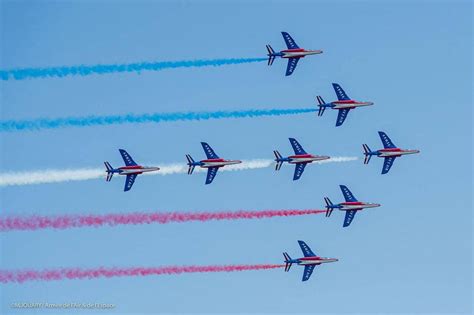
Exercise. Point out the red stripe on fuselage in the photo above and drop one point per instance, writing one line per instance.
(345, 102)
(355, 203)
(130, 167)
(310, 258)
(293, 50)
(390, 150)
(301, 156)
(213, 160)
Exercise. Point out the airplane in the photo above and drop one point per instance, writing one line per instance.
(300, 159)
(390, 152)
(212, 163)
(351, 206)
(309, 261)
(294, 53)
(344, 104)
(131, 170)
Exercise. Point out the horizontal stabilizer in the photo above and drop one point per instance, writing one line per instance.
(366, 153)
(288, 262)
(329, 207)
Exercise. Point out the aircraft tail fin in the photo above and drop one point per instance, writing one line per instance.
(321, 102)
(278, 160)
(329, 207)
(109, 170)
(270, 55)
(366, 153)
(288, 262)
(190, 164)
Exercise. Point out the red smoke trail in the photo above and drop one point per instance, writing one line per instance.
(20, 276)
(35, 222)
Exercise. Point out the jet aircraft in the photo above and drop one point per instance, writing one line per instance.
(389, 152)
(344, 104)
(351, 206)
(300, 159)
(309, 261)
(212, 163)
(131, 170)
(294, 53)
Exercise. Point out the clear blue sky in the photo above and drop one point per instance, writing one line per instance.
(413, 59)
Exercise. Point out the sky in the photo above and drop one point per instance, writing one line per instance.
(413, 59)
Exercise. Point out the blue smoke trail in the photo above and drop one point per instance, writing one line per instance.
(82, 70)
(43, 123)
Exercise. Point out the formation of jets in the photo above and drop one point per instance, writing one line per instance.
(213, 162)
(300, 159)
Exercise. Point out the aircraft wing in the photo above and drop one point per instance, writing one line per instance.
(209, 151)
(290, 43)
(297, 146)
(387, 143)
(341, 116)
(349, 217)
(308, 271)
(307, 252)
(299, 169)
(387, 164)
(211, 173)
(341, 95)
(129, 182)
(127, 159)
(347, 194)
(292, 62)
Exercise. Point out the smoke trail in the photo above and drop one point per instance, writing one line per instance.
(88, 121)
(20, 276)
(66, 175)
(83, 70)
(35, 222)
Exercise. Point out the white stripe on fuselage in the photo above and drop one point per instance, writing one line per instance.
(138, 170)
(219, 164)
(358, 207)
(296, 54)
(395, 153)
(307, 159)
(350, 105)
(315, 261)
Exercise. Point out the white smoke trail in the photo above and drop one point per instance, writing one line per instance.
(65, 175)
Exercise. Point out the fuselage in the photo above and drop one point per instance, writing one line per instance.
(356, 205)
(298, 53)
(305, 158)
(395, 152)
(136, 169)
(315, 260)
(349, 104)
(217, 163)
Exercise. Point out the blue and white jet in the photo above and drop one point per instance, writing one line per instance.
(294, 53)
(389, 152)
(309, 261)
(351, 206)
(131, 170)
(212, 163)
(300, 159)
(344, 104)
